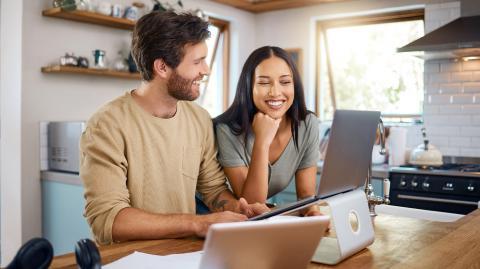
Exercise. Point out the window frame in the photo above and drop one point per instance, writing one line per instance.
(323, 25)
(224, 29)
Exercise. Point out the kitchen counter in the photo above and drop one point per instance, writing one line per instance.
(399, 243)
(378, 170)
(62, 177)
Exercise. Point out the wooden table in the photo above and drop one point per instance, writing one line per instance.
(399, 243)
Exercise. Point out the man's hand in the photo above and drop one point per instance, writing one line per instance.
(204, 221)
(251, 210)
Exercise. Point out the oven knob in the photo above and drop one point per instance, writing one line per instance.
(414, 183)
(470, 188)
(426, 185)
(449, 185)
(403, 183)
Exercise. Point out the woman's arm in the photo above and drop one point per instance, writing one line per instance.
(251, 182)
(305, 184)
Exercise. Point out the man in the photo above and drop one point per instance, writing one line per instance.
(145, 154)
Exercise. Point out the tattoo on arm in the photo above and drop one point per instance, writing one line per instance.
(217, 205)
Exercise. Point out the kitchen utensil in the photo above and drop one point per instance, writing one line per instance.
(397, 143)
(117, 11)
(82, 4)
(119, 63)
(64, 4)
(132, 66)
(131, 13)
(426, 155)
(69, 59)
(105, 8)
(82, 62)
(99, 60)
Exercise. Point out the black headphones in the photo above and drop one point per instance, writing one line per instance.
(87, 255)
(38, 254)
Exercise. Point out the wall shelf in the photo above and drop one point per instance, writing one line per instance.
(89, 17)
(59, 69)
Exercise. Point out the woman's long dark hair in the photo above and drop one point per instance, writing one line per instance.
(239, 115)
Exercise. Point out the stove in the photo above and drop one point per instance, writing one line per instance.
(453, 187)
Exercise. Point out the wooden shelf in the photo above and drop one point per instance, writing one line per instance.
(89, 17)
(90, 71)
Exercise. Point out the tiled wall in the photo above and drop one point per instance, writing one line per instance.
(452, 94)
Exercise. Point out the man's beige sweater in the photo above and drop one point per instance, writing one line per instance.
(130, 158)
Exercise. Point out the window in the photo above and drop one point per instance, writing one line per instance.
(359, 67)
(214, 92)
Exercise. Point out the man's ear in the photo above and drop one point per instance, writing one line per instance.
(161, 69)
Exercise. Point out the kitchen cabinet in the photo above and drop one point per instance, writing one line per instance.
(63, 204)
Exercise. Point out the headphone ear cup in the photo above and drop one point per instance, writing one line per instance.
(36, 253)
(87, 255)
(95, 258)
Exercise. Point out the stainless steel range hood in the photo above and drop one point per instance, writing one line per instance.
(457, 39)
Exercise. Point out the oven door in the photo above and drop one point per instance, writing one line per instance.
(435, 202)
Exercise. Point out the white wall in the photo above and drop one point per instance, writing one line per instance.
(54, 97)
(10, 119)
(452, 95)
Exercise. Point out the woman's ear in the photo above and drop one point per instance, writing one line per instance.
(161, 69)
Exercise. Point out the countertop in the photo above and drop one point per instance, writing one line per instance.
(62, 177)
(399, 243)
(378, 171)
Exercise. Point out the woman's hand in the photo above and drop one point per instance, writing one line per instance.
(264, 127)
(312, 211)
(251, 210)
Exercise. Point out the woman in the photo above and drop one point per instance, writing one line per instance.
(267, 136)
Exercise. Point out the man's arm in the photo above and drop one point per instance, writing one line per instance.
(226, 201)
(134, 224)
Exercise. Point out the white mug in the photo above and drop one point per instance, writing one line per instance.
(104, 8)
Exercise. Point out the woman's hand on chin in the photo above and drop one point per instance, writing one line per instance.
(265, 127)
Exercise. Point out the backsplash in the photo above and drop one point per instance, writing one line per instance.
(452, 94)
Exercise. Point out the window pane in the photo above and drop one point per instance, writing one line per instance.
(369, 74)
(211, 93)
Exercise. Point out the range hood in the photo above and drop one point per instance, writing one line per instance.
(457, 39)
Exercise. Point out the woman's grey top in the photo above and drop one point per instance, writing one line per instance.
(232, 153)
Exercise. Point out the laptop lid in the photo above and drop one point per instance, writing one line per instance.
(349, 151)
(281, 243)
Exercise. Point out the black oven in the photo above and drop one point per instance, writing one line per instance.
(438, 190)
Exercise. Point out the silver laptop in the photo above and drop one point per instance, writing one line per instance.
(347, 159)
(284, 243)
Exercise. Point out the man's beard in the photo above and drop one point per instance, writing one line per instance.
(180, 88)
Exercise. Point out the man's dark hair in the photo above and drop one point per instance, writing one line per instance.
(163, 35)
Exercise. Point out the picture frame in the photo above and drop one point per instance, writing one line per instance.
(297, 57)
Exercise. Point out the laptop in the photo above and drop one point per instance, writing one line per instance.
(283, 242)
(347, 159)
